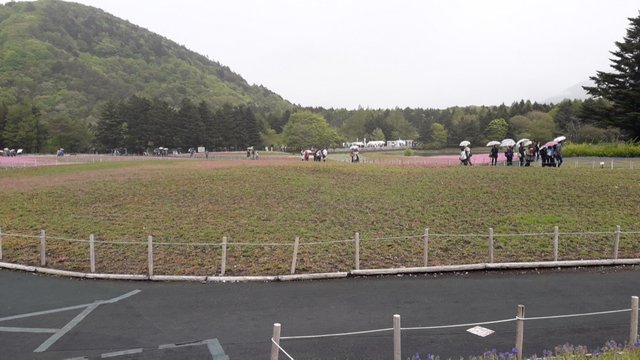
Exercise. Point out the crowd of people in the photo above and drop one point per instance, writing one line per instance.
(550, 154)
(317, 154)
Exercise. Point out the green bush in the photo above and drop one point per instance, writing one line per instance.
(603, 150)
(408, 152)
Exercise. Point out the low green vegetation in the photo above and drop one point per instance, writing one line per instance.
(631, 149)
(203, 201)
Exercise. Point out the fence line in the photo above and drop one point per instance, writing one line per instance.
(519, 319)
(423, 240)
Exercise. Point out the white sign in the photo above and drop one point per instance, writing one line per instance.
(480, 331)
(200, 149)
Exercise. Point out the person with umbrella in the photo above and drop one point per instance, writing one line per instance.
(509, 155)
(465, 153)
(521, 151)
(493, 153)
(558, 148)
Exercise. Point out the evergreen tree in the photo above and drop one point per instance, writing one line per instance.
(622, 86)
(110, 129)
(22, 128)
(3, 121)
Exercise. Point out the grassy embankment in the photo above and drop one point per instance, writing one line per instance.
(195, 202)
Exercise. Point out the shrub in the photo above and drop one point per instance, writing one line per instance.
(408, 152)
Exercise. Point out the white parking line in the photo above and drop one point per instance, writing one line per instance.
(27, 330)
(76, 320)
(215, 350)
(70, 325)
(120, 353)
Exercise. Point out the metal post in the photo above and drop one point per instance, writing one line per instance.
(520, 330)
(223, 262)
(150, 254)
(357, 251)
(0, 243)
(633, 326)
(397, 344)
(275, 350)
(43, 248)
(295, 255)
(491, 245)
(556, 235)
(616, 242)
(426, 247)
(92, 253)
(611, 163)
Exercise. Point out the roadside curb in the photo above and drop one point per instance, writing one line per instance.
(333, 275)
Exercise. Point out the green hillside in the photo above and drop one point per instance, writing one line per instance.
(70, 59)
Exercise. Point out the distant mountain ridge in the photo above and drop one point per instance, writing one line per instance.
(575, 92)
(71, 58)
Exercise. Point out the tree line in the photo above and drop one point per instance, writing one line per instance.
(139, 124)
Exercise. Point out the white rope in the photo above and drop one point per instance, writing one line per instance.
(65, 239)
(327, 242)
(187, 244)
(119, 242)
(526, 234)
(258, 244)
(574, 315)
(587, 233)
(281, 349)
(334, 335)
(408, 237)
(19, 235)
(459, 325)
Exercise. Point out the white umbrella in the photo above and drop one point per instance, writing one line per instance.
(526, 142)
(492, 143)
(508, 142)
(560, 138)
(465, 143)
(523, 140)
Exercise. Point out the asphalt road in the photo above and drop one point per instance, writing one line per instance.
(85, 319)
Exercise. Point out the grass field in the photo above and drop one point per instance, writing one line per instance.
(254, 202)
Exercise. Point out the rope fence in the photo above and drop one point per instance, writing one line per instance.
(409, 251)
(519, 319)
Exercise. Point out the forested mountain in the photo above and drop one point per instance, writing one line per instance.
(67, 60)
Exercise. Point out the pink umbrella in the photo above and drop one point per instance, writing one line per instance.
(550, 144)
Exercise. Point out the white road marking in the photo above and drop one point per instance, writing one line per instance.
(120, 353)
(74, 307)
(76, 320)
(27, 330)
(70, 325)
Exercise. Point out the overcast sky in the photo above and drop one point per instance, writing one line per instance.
(395, 53)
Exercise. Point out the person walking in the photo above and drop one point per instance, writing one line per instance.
(494, 155)
(521, 152)
(509, 155)
(558, 151)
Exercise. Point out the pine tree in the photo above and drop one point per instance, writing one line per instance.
(622, 86)
(110, 127)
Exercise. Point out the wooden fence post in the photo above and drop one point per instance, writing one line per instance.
(397, 339)
(275, 350)
(0, 244)
(633, 327)
(357, 251)
(295, 255)
(426, 247)
(150, 255)
(556, 235)
(616, 243)
(92, 253)
(491, 245)
(43, 248)
(520, 330)
(223, 261)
